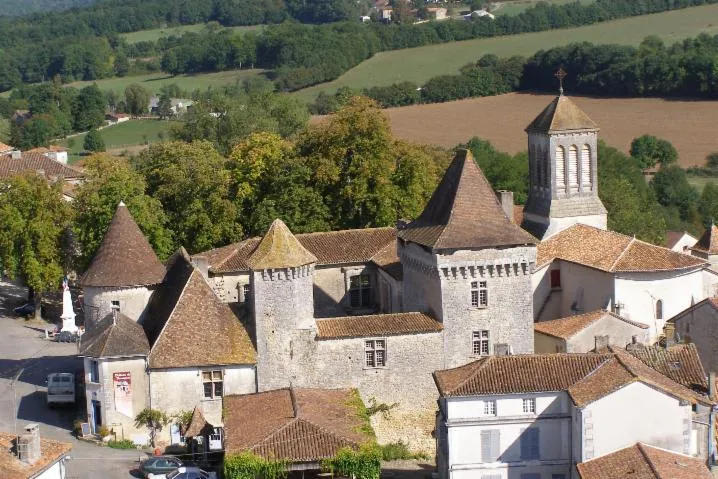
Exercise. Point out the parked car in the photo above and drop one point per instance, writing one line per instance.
(28, 309)
(185, 472)
(158, 465)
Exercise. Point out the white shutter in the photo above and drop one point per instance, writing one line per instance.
(586, 179)
(560, 169)
(573, 169)
(490, 445)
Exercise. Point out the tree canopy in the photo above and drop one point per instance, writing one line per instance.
(649, 151)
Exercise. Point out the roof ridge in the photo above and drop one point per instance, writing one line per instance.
(174, 308)
(648, 460)
(618, 258)
(375, 228)
(296, 420)
(480, 364)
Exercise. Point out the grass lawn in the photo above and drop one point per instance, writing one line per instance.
(698, 182)
(124, 135)
(420, 64)
(519, 6)
(157, 33)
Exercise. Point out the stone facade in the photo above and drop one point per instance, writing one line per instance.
(697, 325)
(97, 302)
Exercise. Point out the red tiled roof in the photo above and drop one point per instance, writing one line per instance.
(680, 362)
(644, 462)
(566, 327)
(12, 468)
(708, 243)
(35, 162)
(376, 325)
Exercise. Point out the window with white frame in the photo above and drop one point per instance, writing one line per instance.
(489, 408)
(490, 445)
(530, 444)
(247, 292)
(359, 291)
(529, 405)
(94, 371)
(479, 294)
(115, 304)
(375, 353)
(480, 342)
(213, 384)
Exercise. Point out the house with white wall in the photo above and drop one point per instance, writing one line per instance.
(680, 241)
(538, 416)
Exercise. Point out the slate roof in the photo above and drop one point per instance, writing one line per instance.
(329, 247)
(586, 377)
(561, 115)
(376, 325)
(188, 326)
(680, 362)
(120, 337)
(708, 242)
(642, 461)
(610, 251)
(297, 425)
(279, 248)
(464, 213)
(12, 468)
(34, 161)
(125, 257)
(564, 328)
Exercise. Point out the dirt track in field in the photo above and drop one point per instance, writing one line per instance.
(692, 126)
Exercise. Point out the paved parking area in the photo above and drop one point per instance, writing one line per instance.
(23, 346)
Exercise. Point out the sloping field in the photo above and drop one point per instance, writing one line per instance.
(157, 33)
(420, 64)
(689, 125)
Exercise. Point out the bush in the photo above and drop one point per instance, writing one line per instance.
(399, 450)
(104, 431)
(121, 444)
(93, 141)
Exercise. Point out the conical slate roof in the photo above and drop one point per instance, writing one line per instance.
(464, 213)
(561, 115)
(124, 258)
(709, 241)
(279, 248)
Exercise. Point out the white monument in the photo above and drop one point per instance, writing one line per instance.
(68, 315)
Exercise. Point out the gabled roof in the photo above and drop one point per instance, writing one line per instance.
(642, 461)
(610, 251)
(586, 377)
(115, 337)
(464, 213)
(561, 115)
(296, 425)
(12, 468)
(565, 328)
(188, 326)
(673, 237)
(279, 248)
(35, 161)
(125, 257)
(708, 243)
(377, 325)
(712, 302)
(680, 362)
(198, 425)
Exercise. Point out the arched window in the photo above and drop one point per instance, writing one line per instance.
(586, 177)
(573, 168)
(561, 169)
(659, 309)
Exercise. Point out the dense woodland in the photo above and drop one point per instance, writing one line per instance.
(15, 8)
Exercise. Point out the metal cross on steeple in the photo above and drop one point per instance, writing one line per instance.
(560, 74)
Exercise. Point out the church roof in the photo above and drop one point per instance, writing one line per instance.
(464, 213)
(114, 337)
(124, 258)
(279, 248)
(561, 115)
(708, 243)
(188, 325)
(567, 327)
(610, 251)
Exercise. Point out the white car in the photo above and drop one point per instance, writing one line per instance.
(183, 472)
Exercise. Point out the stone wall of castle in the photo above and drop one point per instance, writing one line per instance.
(97, 302)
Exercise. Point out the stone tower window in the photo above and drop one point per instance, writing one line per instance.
(479, 294)
(573, 169)
(359, 291)
(480, 342)
(561, 169)
(375, 353)
(586, 177)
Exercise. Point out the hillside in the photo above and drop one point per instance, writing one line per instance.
(14, 8)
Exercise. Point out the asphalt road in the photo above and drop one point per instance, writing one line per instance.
(23, 346)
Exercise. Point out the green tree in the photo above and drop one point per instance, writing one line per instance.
(712, 161)
(110, 180)
(137, 99)
(673, 190)
(93, 141)
(708, 204)
(89, 109)
(34, 218)
(122, 65)
(164, 106)
(504, 172)
(649, 150)
(152, 419)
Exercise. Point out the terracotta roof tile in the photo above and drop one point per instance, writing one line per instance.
(119, 338)
(377, 325)
(198, 425)
(279, 248)
(189, 326)
(560, 115)
(644, 462)
(610, 251)
(566, 327)
(463, 212)
(388, 260)
(34, 161)
(5, 148)
(269, 424)
(125, 257)
(680, 362)
(708, 242)
(12, 468)
(518, 214)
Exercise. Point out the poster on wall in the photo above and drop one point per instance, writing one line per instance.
(123, 393)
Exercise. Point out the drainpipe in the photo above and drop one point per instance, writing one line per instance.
(711, 420)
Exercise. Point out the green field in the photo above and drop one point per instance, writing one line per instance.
(420, 64)
(124, 135)
(519, 6)
(699, 182)
(157, 33)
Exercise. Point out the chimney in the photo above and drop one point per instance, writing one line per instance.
(295, 406)
(506, 198)
(28, 445)
(601, 342)
(15, 154)
(202, 264)
(670, 331)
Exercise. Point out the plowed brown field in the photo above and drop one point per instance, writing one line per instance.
(692, 126)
